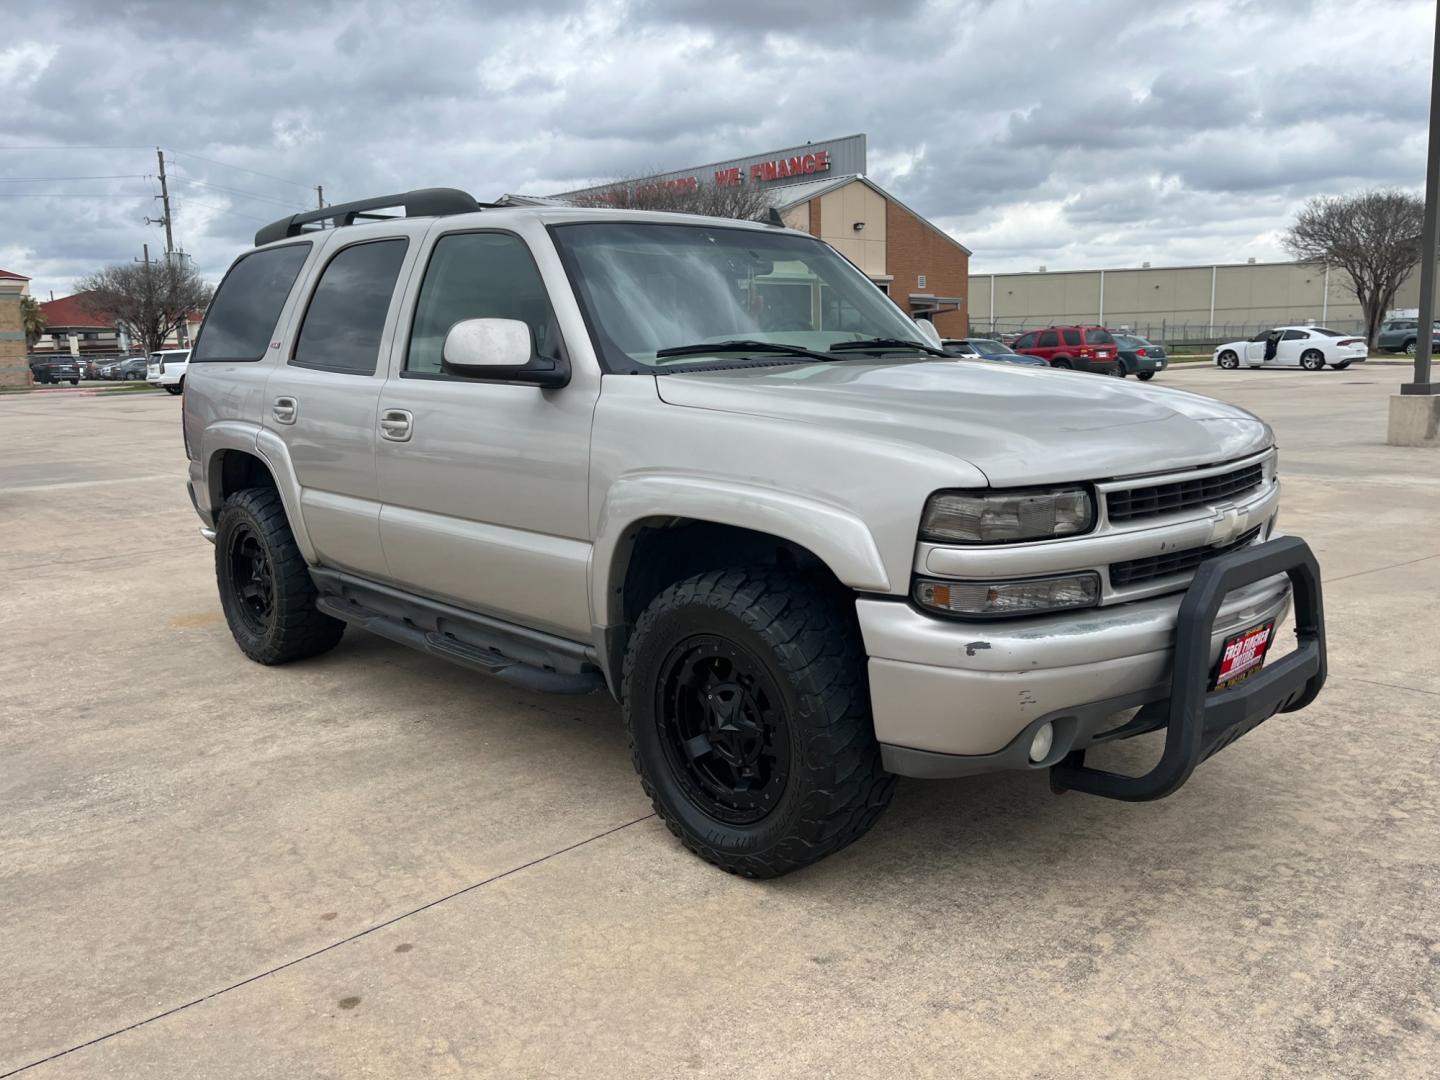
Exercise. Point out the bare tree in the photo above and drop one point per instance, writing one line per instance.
(148, 300)
(1373, 236)
(679, 196)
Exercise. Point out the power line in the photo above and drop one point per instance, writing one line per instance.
(237, 191)
(69, 195)
(39, 179)
(239, 168)
(113, 146)
(183, 201)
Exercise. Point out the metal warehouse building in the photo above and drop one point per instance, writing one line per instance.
(821, 188)
(1175, 303)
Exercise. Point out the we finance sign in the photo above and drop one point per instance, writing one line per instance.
(760, 172)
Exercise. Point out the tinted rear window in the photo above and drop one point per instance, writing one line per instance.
(1099, 337)
(243, 315)
(1072, 337)
(347, 312)
(1049, 339)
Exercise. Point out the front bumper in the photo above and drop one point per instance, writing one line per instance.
(959, 698)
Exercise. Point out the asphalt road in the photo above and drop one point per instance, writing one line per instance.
(374, 864)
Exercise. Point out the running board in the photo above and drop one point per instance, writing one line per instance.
(526, 658)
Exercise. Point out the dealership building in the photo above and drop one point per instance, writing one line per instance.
(821, 188)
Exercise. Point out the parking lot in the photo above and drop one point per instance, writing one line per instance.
(375, 864)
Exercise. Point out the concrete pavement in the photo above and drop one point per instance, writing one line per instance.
(374, 864)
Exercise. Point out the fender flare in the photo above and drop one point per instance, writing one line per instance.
(834, 534)
(271, 450)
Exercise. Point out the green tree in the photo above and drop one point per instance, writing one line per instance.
(33, 319)
(1374, 236)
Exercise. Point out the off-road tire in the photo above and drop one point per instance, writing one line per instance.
(1144, 376)
(295, 629)
(1228, 360)
(806, 642)
(1312, 360)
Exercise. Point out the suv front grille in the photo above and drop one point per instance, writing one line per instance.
(1139, 571)
(1142, 502)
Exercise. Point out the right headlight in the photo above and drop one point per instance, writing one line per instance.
(983, 517)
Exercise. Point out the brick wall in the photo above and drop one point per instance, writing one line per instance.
(914, 248)
(13, 369)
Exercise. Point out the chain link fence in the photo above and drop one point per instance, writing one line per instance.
(1165, 331)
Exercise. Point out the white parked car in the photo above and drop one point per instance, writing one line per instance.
(1309, 347)
(167, 369)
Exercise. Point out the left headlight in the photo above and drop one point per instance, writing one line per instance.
(1006, 517)
(988, 599)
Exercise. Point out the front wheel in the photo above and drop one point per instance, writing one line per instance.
(265, 587)
(749, 718)
(1228, 360)
(1144, 376)
(1312, 360)
(1118, 371)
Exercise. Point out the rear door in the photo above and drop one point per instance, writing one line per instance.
(485, 484)
(1047, 345)
(1292, 344)
(322, 399)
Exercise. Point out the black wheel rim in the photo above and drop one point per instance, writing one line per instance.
(251, 579)
(722, 726)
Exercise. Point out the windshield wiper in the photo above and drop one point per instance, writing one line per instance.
(883, 343)
(718, 347)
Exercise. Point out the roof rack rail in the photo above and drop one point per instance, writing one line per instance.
(422, 202)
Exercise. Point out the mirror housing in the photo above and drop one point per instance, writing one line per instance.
(928, 331)
(499, 350)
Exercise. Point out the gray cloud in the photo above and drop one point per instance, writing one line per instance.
(1039, 132)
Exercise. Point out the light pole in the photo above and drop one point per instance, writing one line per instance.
(1415, 412)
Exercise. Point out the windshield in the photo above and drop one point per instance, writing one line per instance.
(649, 287)
(990, 345)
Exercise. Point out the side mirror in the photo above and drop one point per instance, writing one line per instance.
(928, 331)
(499, 350)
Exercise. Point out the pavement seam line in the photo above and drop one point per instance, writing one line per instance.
(1387, 685)
(1379, 569)
(327, 948)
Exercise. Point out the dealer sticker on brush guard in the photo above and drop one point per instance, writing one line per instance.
(1243, 655)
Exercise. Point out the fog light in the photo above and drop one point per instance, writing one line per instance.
(1041, 745)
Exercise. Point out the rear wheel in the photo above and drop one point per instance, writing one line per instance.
(1061, 362)
(1228, 360)
(265, 587)
(1409, 348)
(1144, 376)
(1342, 365)
(174, 388)
(749, 718)
(1312, 360)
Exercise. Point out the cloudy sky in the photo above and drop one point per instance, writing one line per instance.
(1074, 133)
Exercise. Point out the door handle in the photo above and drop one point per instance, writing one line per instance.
(396, 425)
(285, 409)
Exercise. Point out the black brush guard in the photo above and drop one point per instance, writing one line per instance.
(1200, 722)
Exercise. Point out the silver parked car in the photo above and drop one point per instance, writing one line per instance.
(586, 448)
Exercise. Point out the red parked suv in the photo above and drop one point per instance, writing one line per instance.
(1084, 348)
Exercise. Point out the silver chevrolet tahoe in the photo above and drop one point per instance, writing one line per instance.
(710, 466)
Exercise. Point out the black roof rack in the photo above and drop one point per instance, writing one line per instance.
(423, 202)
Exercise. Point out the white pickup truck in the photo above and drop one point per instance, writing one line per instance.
(167, 368)
(709, 465)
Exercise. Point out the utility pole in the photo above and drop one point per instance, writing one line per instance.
(319, 196)
(165, 202)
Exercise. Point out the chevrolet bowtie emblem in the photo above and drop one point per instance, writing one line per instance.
(1226, 527)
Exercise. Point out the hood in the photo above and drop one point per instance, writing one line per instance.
(1017, 425)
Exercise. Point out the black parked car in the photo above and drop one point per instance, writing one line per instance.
(1140, 357)
(57, 370)
(989, 349)
(133, 368)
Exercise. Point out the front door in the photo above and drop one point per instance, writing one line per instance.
(322, 401)
(484, 484)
